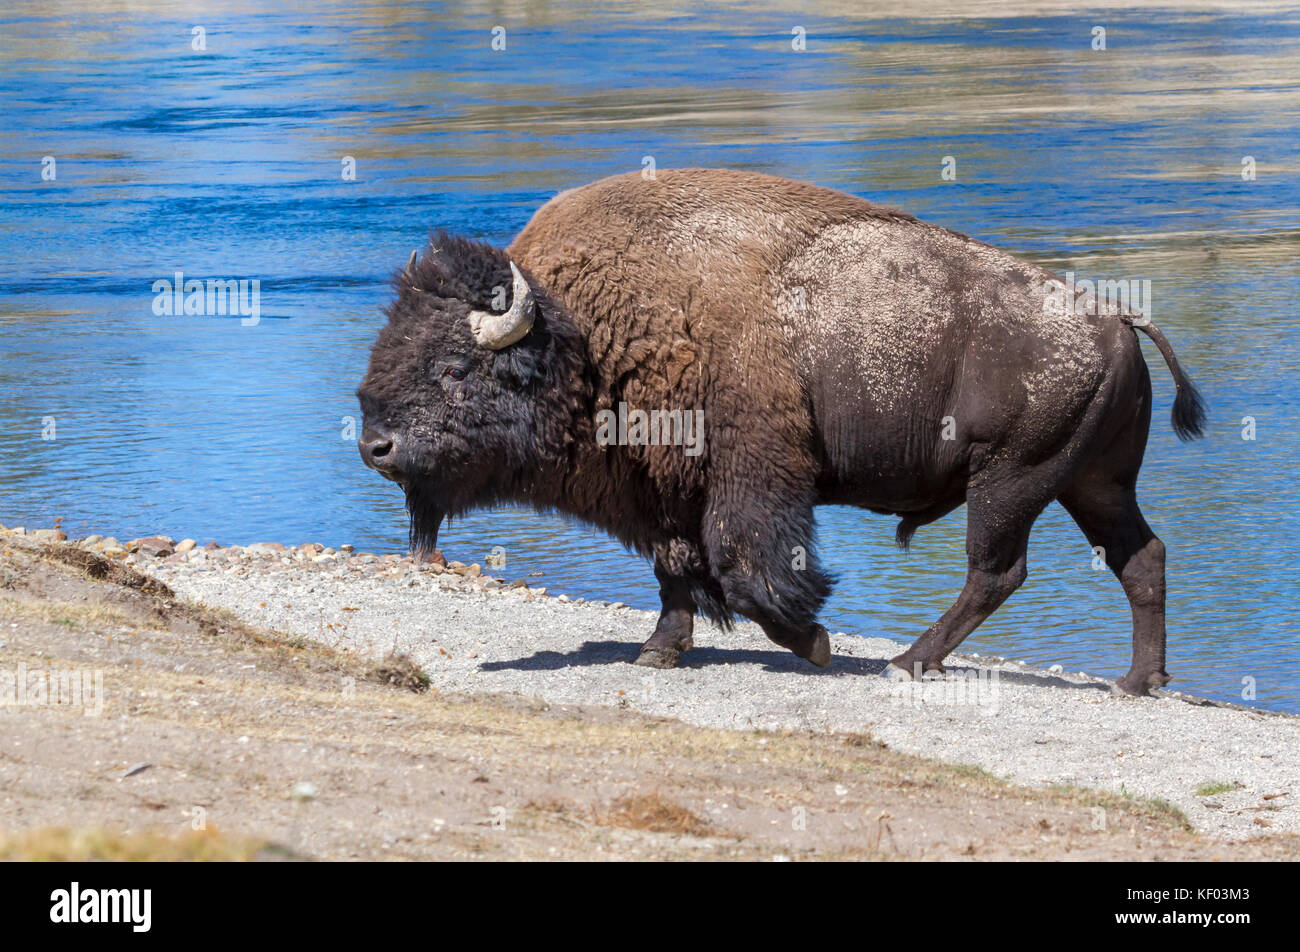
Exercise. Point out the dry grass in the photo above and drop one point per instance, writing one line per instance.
(1146, 808)
(58, 845)
(69, 614)
(400, 671)
(1213, 789)
(654, 813)
(102, 569)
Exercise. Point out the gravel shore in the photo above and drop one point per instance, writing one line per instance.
(475, 634)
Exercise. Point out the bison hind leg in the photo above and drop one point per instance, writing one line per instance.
(1001, 510)
(1108, 514)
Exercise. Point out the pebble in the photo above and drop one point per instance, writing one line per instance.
(155, 547)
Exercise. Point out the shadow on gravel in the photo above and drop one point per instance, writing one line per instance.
(1022, 677)
(625, 652)
(591, 653)
(1044, 681)
(596, 653)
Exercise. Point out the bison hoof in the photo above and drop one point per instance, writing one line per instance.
(656, 657)
(1138, 685)
(820, 654)
(900, 669)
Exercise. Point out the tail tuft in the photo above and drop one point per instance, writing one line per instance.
(1188, 415)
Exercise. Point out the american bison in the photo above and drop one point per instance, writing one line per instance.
(833, 350)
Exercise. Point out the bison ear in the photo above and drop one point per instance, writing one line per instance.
(495, 331)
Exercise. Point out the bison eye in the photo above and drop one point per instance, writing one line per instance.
(455, 367)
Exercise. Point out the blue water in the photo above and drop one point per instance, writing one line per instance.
(227, 163)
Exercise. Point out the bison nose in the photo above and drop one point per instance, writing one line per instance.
(378, 452)
(377, 449)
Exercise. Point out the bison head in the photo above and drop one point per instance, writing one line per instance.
(476, 387)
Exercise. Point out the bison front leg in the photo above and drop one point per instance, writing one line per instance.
(674, 632)
(761, 553)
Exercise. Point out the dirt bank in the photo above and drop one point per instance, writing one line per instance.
(277, 746)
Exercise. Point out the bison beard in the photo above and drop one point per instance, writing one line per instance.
(841, 353)
(426, 519)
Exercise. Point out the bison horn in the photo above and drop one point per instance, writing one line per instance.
(496, 331)
(409, 272)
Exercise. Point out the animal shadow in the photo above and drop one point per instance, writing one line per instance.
(595, 653)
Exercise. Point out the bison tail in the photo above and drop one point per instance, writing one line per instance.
(1188, 416)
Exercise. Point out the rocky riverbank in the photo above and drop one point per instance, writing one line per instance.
(237, 560)
(1234, 773)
